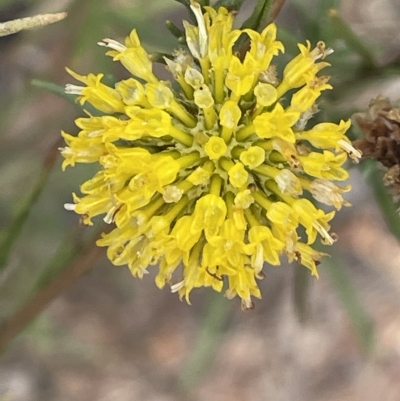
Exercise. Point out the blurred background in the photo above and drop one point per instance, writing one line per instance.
(112, 337)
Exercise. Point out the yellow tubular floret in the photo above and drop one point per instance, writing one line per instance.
(205, 179)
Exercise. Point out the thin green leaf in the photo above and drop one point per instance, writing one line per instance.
(60, 91)
(54, 88)
(212, 328)
(71, 273)
(302, 278)
(73, 244)
(11, 235)
(347, 294)
(69, 248)
(343, 31)
(258, 19)
(374, 177)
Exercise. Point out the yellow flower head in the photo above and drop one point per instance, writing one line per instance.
(204, 179)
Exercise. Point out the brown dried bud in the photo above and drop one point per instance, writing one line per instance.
(381, 127)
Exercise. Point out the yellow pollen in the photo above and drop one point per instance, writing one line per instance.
(215, 148)
(253, 157)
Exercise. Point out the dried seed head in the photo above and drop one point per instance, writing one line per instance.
(380, 125)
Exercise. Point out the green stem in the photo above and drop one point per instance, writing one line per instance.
(9, 238)
(11, 327)
(347, 294)
(72, 245)
(207, 341)
(301, 285)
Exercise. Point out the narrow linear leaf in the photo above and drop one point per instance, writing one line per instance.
(275, 10)
(374, 177)
(260, 16)
(60, 91)
(347, 294)
(72, 245)
(12, 326)
(12, 233)
(69, 248)
(207, 341)
(53, 88)
(343, 31)
(301, 286)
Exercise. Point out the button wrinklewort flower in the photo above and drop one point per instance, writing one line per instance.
(206, 177)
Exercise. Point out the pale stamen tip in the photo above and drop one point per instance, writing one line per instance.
(69, 206)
